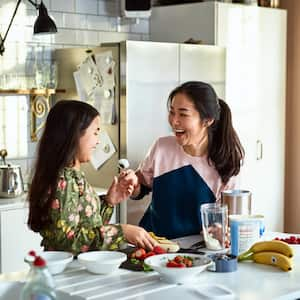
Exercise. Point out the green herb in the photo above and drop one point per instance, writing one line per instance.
(147, 268)
(135, 261)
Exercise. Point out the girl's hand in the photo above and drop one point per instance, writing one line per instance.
(122, 187)
(128, 177)
(138, 236)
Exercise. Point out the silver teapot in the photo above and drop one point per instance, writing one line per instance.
(11, 180)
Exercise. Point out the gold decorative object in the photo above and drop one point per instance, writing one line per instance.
(39, 106)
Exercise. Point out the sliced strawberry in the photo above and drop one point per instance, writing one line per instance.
(159, 250)
(140, 253)
(150, 253)
(172, 264)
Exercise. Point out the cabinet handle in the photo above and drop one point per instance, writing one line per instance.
(259, 150)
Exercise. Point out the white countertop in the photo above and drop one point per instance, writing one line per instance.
(19, 202)
(12, 203)
(250, 282)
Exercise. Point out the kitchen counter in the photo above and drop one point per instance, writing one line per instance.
(13, 203)
(20, 202)
(250, 282)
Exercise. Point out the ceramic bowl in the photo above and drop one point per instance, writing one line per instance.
(101, 262)
(57, 261)
(178, 275)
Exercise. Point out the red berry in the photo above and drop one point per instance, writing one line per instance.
(173, 264)
(293, 238)
(159, 250)
(150, 253)
(140, 253)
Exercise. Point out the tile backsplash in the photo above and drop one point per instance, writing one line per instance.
(79, 23)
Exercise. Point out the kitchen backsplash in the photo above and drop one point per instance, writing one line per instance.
(79, 23)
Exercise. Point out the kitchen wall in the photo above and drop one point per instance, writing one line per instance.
(79, 23)
(292, 186)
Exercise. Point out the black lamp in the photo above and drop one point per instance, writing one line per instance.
(43, 24)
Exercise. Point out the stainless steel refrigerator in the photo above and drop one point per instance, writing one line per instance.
(145, 73)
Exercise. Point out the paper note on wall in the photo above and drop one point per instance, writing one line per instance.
(104, 151)
(83, 96)
(106, 67)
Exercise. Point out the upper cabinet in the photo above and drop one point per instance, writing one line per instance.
(255, 41)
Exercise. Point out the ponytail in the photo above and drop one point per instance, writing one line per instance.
(224, 147)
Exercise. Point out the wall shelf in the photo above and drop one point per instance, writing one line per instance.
(39, 106)
(31, 91)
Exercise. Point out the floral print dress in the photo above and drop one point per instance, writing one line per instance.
(80, 218)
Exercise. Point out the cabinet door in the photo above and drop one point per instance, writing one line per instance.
(203, 63)
(151, 74)
(255, 83)
(271, 86)
(16, 239)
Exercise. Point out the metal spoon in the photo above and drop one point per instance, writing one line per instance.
(3, 154)
(123, 163)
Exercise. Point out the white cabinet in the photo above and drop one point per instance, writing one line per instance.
(255, 41)
(16, 239)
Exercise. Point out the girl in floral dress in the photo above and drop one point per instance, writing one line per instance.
(63, 207)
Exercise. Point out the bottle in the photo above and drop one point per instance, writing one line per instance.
(40, 284)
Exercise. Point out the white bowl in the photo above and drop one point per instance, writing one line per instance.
(177, 275)
(101, 262)
(56, 261)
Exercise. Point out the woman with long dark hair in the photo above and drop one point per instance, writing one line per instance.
(63, 207)
(190, 168)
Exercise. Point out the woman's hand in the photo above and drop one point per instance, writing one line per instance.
(122, 187)
(138, 236)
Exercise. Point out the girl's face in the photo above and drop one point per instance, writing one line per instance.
(185, 121)
(88, 141)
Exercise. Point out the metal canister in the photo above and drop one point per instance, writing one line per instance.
(238, 201)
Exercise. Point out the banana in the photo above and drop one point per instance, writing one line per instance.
(269, 246)
(274, 259)
(164, 243)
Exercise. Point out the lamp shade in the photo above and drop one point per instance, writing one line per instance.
(43, 23)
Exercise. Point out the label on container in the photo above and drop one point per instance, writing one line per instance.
(244, 232)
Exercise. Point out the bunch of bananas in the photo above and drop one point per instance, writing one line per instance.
(275, 253)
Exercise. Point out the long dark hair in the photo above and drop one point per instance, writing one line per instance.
(224, 147)
(65, 124)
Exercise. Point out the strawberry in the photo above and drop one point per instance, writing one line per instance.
(140, 254)
(150, 253)
(174, 264)
(159, 250)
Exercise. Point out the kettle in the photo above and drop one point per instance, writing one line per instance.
(238, 201)
(11, 180)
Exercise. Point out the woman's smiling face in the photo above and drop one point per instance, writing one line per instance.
(185, 121)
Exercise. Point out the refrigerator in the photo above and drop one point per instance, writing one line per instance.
(145, 73)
